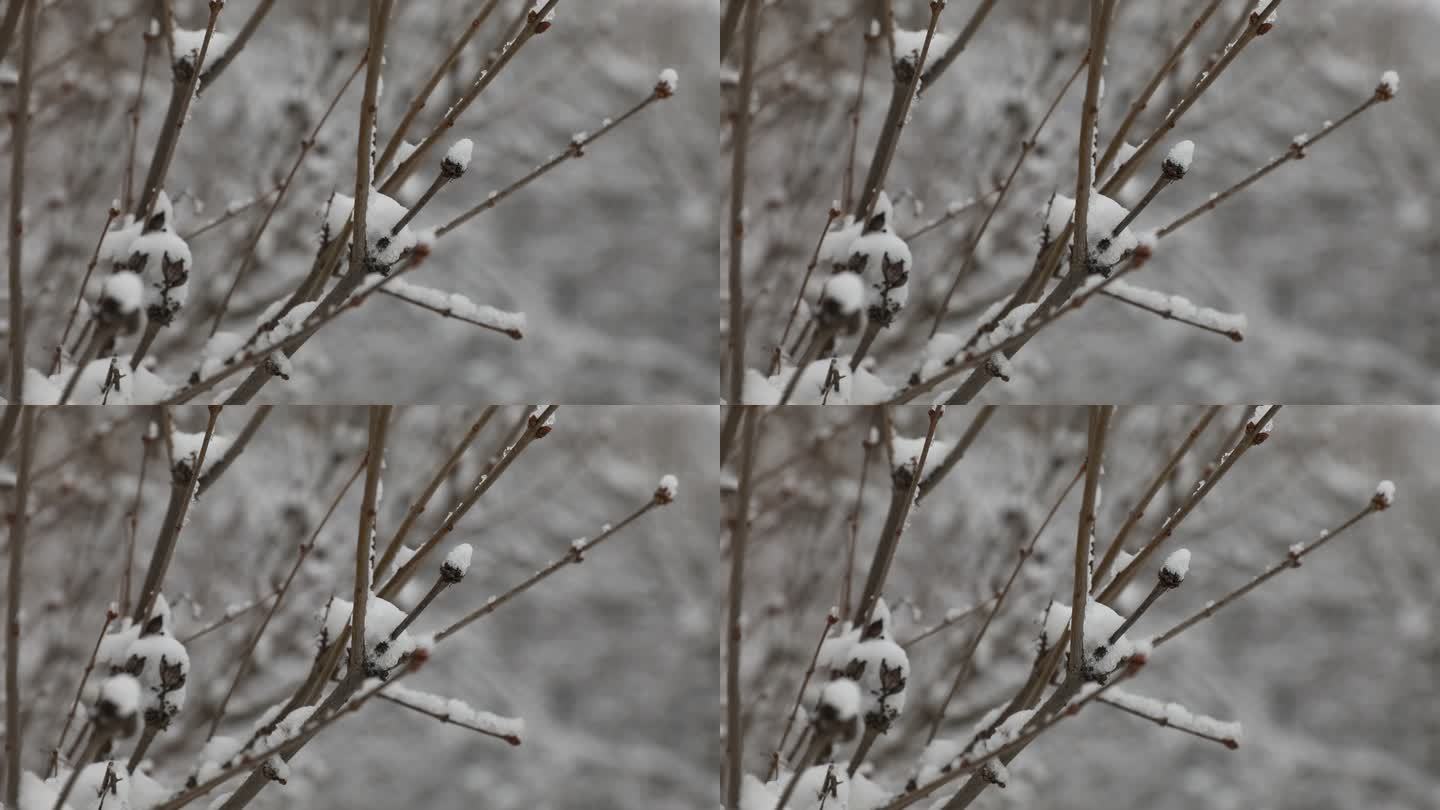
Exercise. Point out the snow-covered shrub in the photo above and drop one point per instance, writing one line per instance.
(909, 142)
(191, 143)
(347, 549)
(969, 609)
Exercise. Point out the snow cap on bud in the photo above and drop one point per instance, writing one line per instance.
(123, 292)
(667, 489)
(456, 564)
(117, 712)
(121, 298)
(1267, 23)
(457, 159)
(841, 300)
(1252, 425)
(839, 710)
(907, 456)
(1176, 566)
(542, 429)
(665, 85)
(1389, 85)
(1384, 495)
(1177, 161)
(995, 772)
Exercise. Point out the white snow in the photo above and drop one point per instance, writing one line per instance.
(907, 454)
(1390, 82)
(812, 389)
(459, 558)
(835, 245)
(845, 292)
(810, 790)
(164, 673)
(122, 693)
(1100, 623)
(1107, 250)
(939, 352)
(187, 45)
(1384, 494)
(1176, 715)
(187, 448)
(1010, 326)
(668, 80)
(382, 213)
(457, 711)
(842, 697)
(908, 44)
(1233, 324)
(1056, 215)
(382, 617)
(757, 389)
(459, 154)
(1253, 424)
(125, 290)
(453, 304)
(1181, 154)
(1178, 563)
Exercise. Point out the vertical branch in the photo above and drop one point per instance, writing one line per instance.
(183, 480)
(184, 77)
(958, 46)
(423, 95)
(1118, 544)
(237, 446)
(7, 25)
(739, 145)
(374, 465)
(19, 522)
(423, 499)
(739, 537)
(374, 60)
(1080, 252)
(213, 71)
(903, 495)
(17, 199)
(902, 93)
(1094, 460)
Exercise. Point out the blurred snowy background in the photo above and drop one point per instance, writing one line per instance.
(610, 256)
(1331, 258)
(1329, 667)
(612, 663)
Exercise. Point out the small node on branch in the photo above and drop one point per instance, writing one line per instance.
(666, 84)
(1389, 85)
(668, 488)
(1176, 566)
(1384, 496)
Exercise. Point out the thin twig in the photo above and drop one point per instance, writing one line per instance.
(536, 427)
(1291, 560)
(19, 141)
(1295, 152)
(417, 103)
(576, 553)
(739, 539)
(183, 479)
(968, 656)
(1156, 482)
(442, 472)
(365, 538)
(735, 326)
(19, 523)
